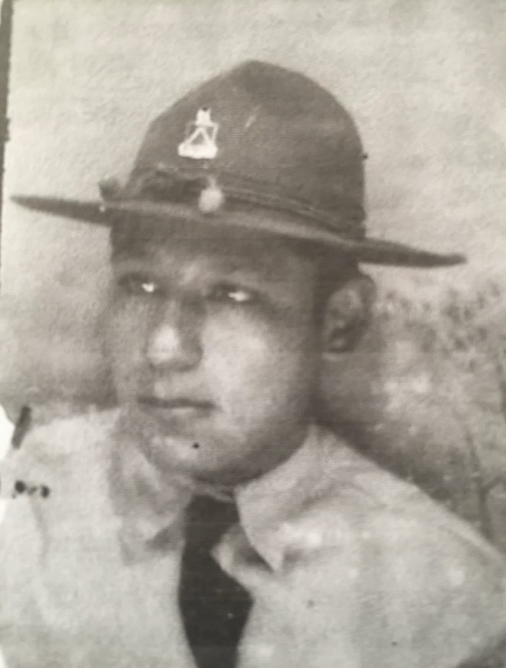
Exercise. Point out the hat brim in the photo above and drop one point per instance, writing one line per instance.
(369, 250)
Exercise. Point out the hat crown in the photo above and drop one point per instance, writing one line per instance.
(256, 136)
(279, 139)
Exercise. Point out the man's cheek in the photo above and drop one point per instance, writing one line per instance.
(235, 364)
(247, 375)
(240, 337)
(126, 327)
(125, 346)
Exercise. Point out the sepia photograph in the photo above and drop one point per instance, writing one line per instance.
(253, 334)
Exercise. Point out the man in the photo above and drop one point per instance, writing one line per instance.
(236, 246)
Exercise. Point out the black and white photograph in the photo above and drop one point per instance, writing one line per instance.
(253, 334)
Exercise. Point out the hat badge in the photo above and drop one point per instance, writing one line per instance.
(200, 140)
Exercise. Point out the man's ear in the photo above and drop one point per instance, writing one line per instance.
(347, 314)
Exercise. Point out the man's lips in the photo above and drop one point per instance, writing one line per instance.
(174, 404)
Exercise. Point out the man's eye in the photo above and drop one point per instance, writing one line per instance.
(232, 293)
(138, 285)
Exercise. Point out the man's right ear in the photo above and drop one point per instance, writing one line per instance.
(347, 314)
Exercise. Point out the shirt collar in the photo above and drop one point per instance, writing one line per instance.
(271, 507)
(149, 506)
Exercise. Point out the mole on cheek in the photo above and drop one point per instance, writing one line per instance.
(196, 446)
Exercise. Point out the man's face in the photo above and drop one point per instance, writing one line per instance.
(214, 349)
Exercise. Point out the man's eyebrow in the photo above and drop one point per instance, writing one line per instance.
(259, 274)
(231, 267)
(137, 252)
(128, 262)
(266, 264)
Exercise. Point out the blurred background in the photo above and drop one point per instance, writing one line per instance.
(426, 392)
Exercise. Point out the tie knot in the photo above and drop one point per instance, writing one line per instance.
(207, 519)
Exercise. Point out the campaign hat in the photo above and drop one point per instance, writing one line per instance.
(259, 146)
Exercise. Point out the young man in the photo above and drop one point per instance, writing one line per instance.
(241, 223)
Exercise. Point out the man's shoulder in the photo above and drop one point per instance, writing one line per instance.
(365, 550)
(54, 491)
(356, 500)
(66, 438)
(57, 454)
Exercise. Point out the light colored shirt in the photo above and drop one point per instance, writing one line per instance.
(348, 567)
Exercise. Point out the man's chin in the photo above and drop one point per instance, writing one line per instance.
(195, 448)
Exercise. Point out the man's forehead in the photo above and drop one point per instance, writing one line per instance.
(229, 248)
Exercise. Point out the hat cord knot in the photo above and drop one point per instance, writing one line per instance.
(166, 184)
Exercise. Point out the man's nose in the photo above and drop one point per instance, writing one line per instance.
(174, 341)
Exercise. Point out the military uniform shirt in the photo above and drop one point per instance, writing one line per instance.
(347, 566)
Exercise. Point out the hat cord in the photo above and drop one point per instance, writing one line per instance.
(185, 186)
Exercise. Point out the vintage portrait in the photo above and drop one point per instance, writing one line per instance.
(253, 334)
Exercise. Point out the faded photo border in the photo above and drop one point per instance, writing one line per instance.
(423, 394)
(5, 53)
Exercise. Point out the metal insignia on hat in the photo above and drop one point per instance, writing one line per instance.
(200, 140)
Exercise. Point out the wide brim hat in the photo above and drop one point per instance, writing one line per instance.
(261, 147)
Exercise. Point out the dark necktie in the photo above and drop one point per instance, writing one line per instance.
(214, 607)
